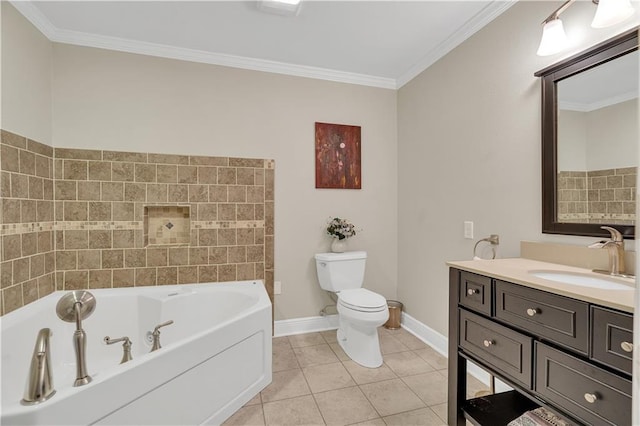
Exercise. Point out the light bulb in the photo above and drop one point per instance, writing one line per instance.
(611, 12)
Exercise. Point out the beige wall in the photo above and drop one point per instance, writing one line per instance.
(116, 101)
(469, 149)
(26, 77)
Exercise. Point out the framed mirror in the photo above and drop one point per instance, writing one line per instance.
(590, 140)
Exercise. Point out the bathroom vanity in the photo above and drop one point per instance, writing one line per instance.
(560, 345)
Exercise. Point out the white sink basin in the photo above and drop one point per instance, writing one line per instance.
(584, 280)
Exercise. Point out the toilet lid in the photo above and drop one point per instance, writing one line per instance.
(362, 299)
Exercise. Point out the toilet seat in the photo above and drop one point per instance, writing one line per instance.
(362, 300)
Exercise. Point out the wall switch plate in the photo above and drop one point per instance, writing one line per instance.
(468, 230)
(277, 287)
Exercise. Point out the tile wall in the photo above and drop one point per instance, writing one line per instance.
(599, 196)
(97, 220)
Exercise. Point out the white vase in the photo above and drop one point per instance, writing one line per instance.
(339, 245)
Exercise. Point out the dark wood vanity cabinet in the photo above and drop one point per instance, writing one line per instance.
(567, 355)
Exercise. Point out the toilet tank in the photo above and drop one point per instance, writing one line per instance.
(341, 271)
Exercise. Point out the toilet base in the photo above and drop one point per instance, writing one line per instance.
(360, 340)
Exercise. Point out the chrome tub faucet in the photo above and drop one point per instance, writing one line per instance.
(40, 382)
(74, 307)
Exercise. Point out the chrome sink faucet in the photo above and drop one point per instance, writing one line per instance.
(615, 247)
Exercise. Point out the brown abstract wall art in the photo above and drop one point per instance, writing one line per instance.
(338, 156)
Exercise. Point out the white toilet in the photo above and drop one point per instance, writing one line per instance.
(361, 311)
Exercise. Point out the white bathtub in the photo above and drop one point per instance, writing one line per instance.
(215, 357)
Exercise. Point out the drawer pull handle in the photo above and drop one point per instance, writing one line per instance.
(488, 343)
(626, 346)
(473, 291)
(590, 397)
(532, 312)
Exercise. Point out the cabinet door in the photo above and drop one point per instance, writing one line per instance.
(506, 350)
(557, 318)
(475, 292)
(591, 394)
(612, 338)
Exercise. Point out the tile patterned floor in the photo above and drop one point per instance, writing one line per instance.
(315, 383)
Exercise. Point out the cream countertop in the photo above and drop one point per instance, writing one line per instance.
(516, 270)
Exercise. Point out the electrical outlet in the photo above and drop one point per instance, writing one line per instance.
(468, 230)
(277, 287)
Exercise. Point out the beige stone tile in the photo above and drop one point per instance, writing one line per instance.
(246, 212)
(363, 375)
(76, 280)
(9, 160)
(157, 193)
(255, 400)
(314, 355)
(10, 210)
(125, 156)
(100, 170)
(65, 260)
(308, 339)
(145, 277)
(123, 238)
(227, 175)
(99, 211)
(187, 274)
(345, 406)
(28, 211)
(440, 410)
(198, 193)
(389, 344)
(422, 417)
(208, 274)
(226, 212)
(122, 172)
(44, 211)
(178, 256)
(326, 377)
(46, 150)
(198, 256)
(112, 259)
(167, 276)
(75, 170)
(134, 192)
(168, 159)
(12, 298)
(208, 175)
(13, 139)
(227, 273)
(89, 259)
(112, 191)
(20, 270)
(145, 172)
(249, 415)
(208, 237)
(280, 341)
(43, 166)
(75, 239)
(284, 358)
(88, 190)
(293, 412)
(28, 163)
(434, 358)
(100, 278)
(36, 188)
(187, 174)
(123, 278)
(246, 271)
(245, 176)
(373, 422)
(157, 257)
(391, 397)
(207, 212)
(407, 363)
(99, 239)
(227, 237)
(6, 274)
(286, 384)
(167, 173)
(218, 193)
(178, 193)
(335, 347)
(408, 339)
(208, 161)
(430, 387)
(11, 247)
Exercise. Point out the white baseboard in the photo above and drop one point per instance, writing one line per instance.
(422, 331)
(304, 325)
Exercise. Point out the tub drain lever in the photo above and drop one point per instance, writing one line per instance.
(126, 347)
(156, 335)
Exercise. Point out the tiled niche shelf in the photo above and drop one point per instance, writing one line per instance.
(167, 225)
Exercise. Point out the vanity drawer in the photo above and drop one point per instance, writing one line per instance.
(612, 338)
(557, 318)
(591, 394)
(475, 292)
(506, 350)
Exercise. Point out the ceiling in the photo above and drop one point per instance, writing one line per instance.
(374, 43)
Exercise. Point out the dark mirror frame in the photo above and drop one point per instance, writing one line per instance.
(613, 48)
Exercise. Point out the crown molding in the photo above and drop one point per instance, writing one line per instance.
(473, 25)
(40, 21)
(588, 107)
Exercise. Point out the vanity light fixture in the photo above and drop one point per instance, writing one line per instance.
(608, 13)
(280, 7)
